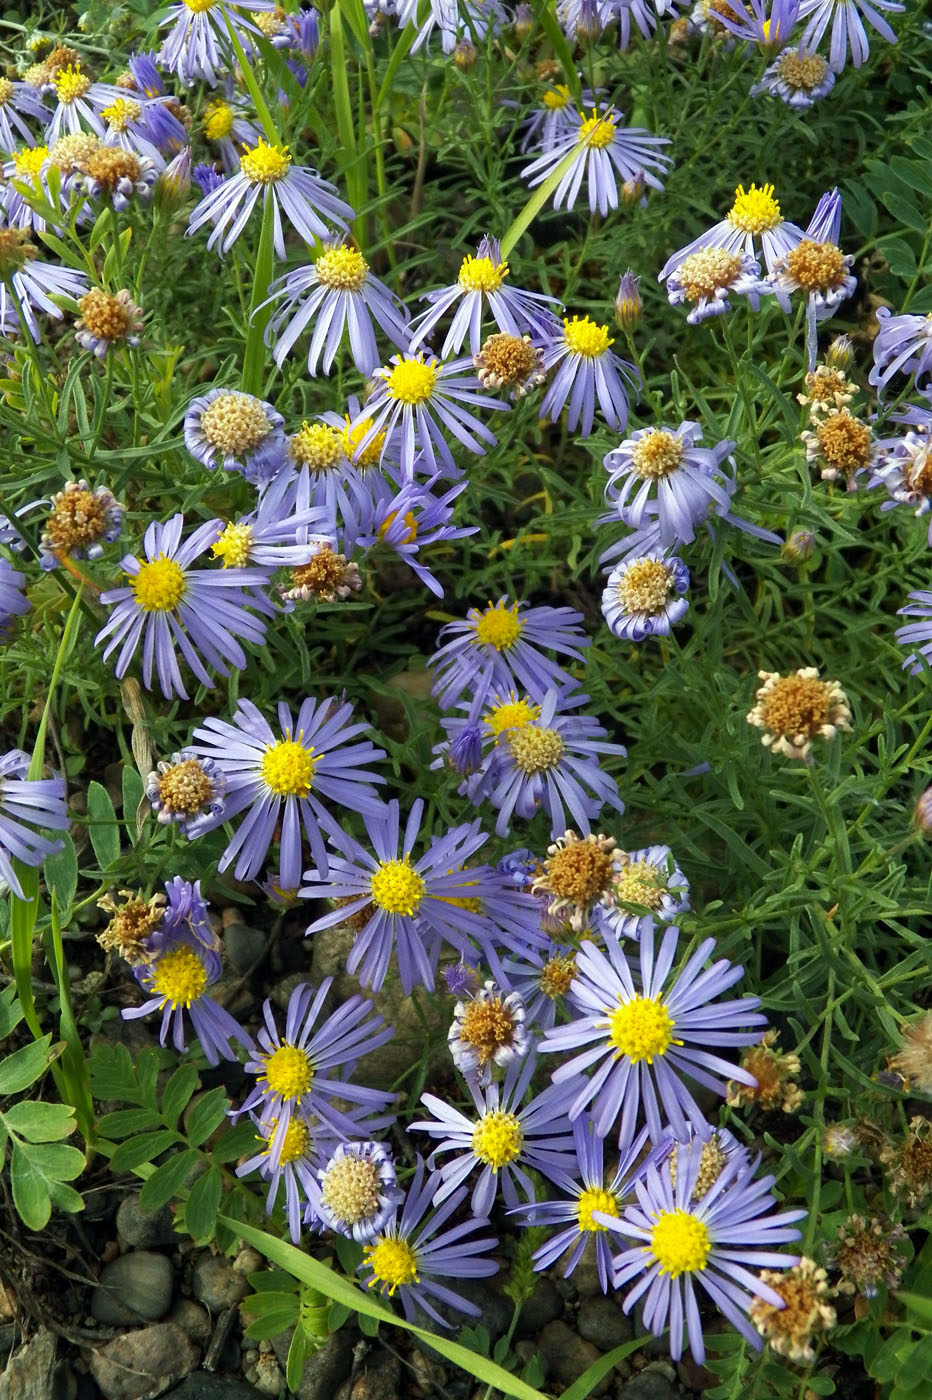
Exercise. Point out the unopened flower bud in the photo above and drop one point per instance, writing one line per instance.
(922, 812)
(628, 303)
(465, 55)
(798, 547)
(588, 25)
(524, 22)
(173, 184)
(840, 354)
(632, 190)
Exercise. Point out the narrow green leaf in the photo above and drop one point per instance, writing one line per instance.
(298, 1353)
(166, 1181)
(206, 1116)
(23, 1067)
(178, 1093)
(546, 17)
(586, 1383)
(102, 825)
(142, 1148)
(40, 1122)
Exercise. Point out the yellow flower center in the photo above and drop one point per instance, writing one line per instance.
(680, 1243)
(412, 381)
(708, 271)
(71, 83)
(639, 882)
(641, 1028)
(350, 439)
(556, 98)
(6, 91)
(343, 268)
(486, 1026)
(598, 131)
(586, 338)
(397, 888)
(755, 210)
(644, 587)
(288, 768)
(30, 160)
(121, 112)
(802, 71)
(179, 977)
(481, 275)
(198, 7)
(159, 586)
(297, 1141)
(498, 627)
(594, 1198)
(535, 750)
(350, 1188)
(393, 1264)
(557, 975)
(497, 1139)
(409, 519)
(817, 267)
(510, 714)
(235, 423)
(184, 787)
(657, 454)
(316, 446)
(233, 546)
(263, 164)
(288, 1072)
(218, 120)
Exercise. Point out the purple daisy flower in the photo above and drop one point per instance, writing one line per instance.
(278, 533)
(550, 124)
(198, 44)
(505, 1137)
(662, 474)
(409, 1256)
(13, 601)
(679, 1242)
(769, 24)
(80, 103)
(26, 804)
(169, 605)
(488, 1029)
(541, 973)
(176, 979)
(235, 431)
(818, 268)
(500, 647)
(644, 597)
(847, 27)
(548, 762)
(143, 69)
(207, 177)
(903, 345)
(28, 285)
(16, 101)
(412, 902)
(187, 791)
(297, 1165)
(228, 125)
(419, 397)
(798, 76)
(587, 369)
(295, 1072)
(355, 1192)
(708, 279)
(906, 472)
(144, 126)
(591, 1192)
(646, 1034)
(266, 173)
(917, 634)
(480, 285)
(339, 295)
(649, 879)
(282, 776)
(409, 519)
(604, 152)
(755, 214)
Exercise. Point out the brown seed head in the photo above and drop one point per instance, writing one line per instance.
(15, 251)
(795, 709)
(509, 361)
(867, 1254)
(816, 267)
(708, 271)
(184, 788)
(131, 923)
(487, 1026)
(326, 576)
(774, 1088)
(108, 165)
(794, 1329)
(77, 519)
(105, 316)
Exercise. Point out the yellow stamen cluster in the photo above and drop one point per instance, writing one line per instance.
(105, 316)
(592, 1199)
(510, 713)
(597, 131)
(708, 271)
(71, 83)
(288, 768)
(409, 519)
(6, 91)
(645, 586)
(802, 72)
(712, 1159)
(397, 888)
(657, 454)
(316, 446)
(296, 1143)
(497, 626)
(680, 1243)
(556, 976)
(235, 424)
(842, 442)
(30, 160)
(556, 98)
(795, 709)
(586, 338)
(351, 439)
(350, 1188)
(287, 1072)
(412, 380)
(816, 267)
(218, 121)
(263, 164)
(199, 7)
(233, 546)
(793, 1330)
(497, 1139)
(755, 210)
(481, 274)
(535, 750)
(393, 1264)
(641, 1029)
(342, 268)
(184, 788)
(159, 586)
(77, 519)
(121, 112)
(179, 977)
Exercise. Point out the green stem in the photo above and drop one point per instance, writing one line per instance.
(537, 201)
(254, 354)
(249, 78)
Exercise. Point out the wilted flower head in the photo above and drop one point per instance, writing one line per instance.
(914, 1059)
(909, 1165)
(578, 873)
(107, 321)
(827, 387)
(868, 1254)
(774, 1087)
(795, 709)
(841, 445)
(794, 1329)
(79, 523)
(131, 923)
(509, 362)
(487, 1030)
(326, 576)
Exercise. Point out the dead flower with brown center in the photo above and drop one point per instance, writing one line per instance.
(794, 710)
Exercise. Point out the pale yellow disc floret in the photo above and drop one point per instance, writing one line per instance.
(645, 586)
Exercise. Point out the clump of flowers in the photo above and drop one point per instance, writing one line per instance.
(794, 710)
